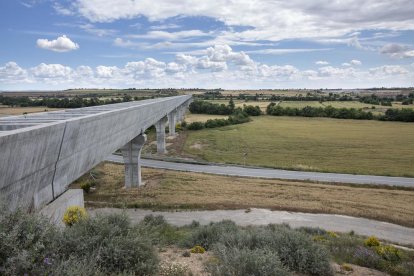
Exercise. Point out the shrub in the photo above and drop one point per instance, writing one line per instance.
(195, 126)
(294, 248)
(74, 214)
(186, 254)
(347, 267)
(388, 252)
(312, 230)
(206, 236)
(198, 250)
(87, 185)
(158, 231)
(244, 261)
(367, 257)
(372, 242)
(252, 110)
(130, 253)
(332, 234)
(26, 241)
(212, 123)
(112, 244)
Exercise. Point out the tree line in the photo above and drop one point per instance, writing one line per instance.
(402, 115)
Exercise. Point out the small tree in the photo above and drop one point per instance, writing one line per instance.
(231, 104)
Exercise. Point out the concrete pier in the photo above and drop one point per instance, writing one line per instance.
(172, 121)
(160, 127)
(131, 154)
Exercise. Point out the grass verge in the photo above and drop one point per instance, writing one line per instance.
(184, 190)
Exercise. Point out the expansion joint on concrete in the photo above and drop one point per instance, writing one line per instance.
(57, 160)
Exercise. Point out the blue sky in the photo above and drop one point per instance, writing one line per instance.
(49, 44)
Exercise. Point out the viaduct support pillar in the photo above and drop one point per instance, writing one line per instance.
(172, 117)
(160, 127)
(180, 113)
(131, 153)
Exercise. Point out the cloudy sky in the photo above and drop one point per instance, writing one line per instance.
(49, 44)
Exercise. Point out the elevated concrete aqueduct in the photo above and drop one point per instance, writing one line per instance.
(41, 154)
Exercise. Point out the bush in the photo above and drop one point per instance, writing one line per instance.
(213, 123)
(367, 257)
(26, 241)
(87, 185)
(204, 107)
(195, 126)
(206, 236)
(388, 252)
(74, 214)
(252, 110)
(112, 244)
(198, 250)
(158, 231)
(372, 241)
(244, 261)
(294, 248)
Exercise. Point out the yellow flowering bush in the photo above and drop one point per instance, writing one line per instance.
(198, 249)
(74, 214)
(372, 242)
(332, 234)
(388, 252)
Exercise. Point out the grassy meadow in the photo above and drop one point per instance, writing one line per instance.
(315, 144)
(166, 189)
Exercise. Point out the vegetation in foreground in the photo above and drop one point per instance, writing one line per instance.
(312, 144)
(111, 245)
(166, 189)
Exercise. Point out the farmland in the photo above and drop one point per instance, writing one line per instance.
(314, 144)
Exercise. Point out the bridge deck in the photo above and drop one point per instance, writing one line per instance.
(42, 153)
(34, 119)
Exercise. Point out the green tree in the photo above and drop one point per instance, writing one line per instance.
(231, 104)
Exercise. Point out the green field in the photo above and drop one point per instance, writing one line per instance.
(316, 144)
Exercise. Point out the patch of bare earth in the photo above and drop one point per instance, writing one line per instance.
(195, 262)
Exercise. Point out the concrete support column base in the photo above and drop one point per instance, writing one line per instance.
(131, 153)
(160, 127)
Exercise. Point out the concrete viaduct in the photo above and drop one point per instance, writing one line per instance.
(42, 153)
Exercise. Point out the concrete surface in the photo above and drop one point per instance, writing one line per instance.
(56, 209)
(274, 173)
(338, 223)
(47, 151)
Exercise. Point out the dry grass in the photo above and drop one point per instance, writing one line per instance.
(12, 111)
(189, 118)
(183, 190)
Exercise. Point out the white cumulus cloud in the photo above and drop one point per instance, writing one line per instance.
(321, 62)
(61, 44)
